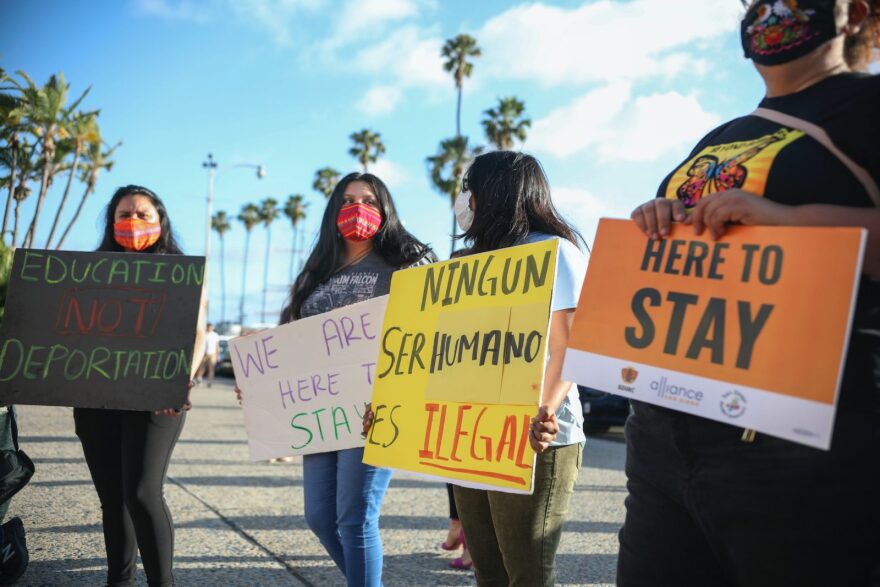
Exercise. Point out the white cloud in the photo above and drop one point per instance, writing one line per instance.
(274, 16)
(620, 128)
(656, 124)
(408, 55)
(380, 100)
(391, 173)
(360, 16)
(572, 128)
(406, 58)
(600, 41)
(584, 209)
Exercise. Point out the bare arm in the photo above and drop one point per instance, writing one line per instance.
(199, 350)
(544, 424)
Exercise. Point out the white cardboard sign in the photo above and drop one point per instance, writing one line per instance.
(305, 384)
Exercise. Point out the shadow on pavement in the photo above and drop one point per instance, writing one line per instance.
(601, 488)
(24, 440)
(595, 568)
(238, 481)
(423, 568)
(290, 522)
(45, 573)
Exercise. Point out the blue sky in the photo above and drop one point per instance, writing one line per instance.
(618, 91)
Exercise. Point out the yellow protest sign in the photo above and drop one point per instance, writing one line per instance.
(461, 367)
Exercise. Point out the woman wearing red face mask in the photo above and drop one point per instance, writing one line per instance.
(360, 245)
(128, 452)
(710, 504)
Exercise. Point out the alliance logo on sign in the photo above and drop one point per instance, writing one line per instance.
(629, 376)
(733, 404)
(677, 393)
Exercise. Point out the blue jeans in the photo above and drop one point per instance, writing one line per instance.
(343, 497)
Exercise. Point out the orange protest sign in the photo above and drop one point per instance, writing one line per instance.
(750, 329)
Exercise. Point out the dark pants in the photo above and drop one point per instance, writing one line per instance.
(706, 509)
(453, 511)
(128, 455)
(7, 413)
(513, 538)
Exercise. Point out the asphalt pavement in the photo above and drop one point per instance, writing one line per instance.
(241, 523)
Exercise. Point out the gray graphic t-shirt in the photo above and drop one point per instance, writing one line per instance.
(366, 279)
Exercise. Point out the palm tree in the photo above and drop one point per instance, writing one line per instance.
(326, 179)
(220, 223)
(12, 157)
(5, 273)
(446, 169)
(83, 130)
(268, 213)
(96, 159)
(457, 53)
(295, 210)
(11, 114)
(27, 172)
(367, 147)
(250, 217)
(506, 122)
(45, 113)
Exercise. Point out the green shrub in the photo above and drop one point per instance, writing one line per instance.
(5, 270)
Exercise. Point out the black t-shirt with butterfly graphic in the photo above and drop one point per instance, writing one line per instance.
(787, 166)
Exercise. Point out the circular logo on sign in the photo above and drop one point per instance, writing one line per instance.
(733, 404)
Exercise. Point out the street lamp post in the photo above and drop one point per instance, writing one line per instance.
(214, 170)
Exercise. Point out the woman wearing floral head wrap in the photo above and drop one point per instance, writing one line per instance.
(711, 504)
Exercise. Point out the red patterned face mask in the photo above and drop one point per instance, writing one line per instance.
(358, 222)
(136, 234)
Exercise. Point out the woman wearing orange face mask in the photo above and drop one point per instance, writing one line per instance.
(128, 452)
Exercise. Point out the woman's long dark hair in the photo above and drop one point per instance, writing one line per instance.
(393, 243)
(513, 199)
(166, 245)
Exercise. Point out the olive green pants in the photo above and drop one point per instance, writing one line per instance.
(513, 538)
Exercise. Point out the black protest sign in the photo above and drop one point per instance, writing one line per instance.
(99, 330)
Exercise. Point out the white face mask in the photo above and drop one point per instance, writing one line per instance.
(463, 213)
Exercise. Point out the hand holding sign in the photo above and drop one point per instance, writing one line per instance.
(543, 429)
(735, 207)
(655, 217)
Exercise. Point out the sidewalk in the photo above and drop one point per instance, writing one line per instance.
(241, 524)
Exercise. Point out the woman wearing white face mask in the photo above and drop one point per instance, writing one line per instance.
(513, 538)
(710, 504)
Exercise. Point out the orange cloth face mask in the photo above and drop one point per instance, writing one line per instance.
(136, 234)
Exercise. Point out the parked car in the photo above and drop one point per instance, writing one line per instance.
(602, 410)
(224, 361)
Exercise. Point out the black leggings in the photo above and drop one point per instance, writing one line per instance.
(453, 511)
(128, 455)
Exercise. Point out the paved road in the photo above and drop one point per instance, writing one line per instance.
(241, 523)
